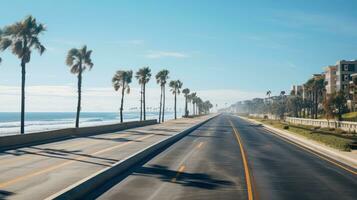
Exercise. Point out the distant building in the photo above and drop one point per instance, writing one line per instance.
(330, 78)
(343, 74)
(352, 102)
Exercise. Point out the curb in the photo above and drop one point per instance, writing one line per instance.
(319, 149)
(86, 185)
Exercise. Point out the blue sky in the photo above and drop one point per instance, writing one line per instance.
(241, 48)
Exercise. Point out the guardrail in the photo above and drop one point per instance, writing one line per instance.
(15, 141)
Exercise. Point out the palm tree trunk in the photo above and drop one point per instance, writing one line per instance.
(163, 104)
(122, 103)
(79, 85)
(141, 103)
(175, 106)
(193, 109)
(186, 111)
(79, 96)
(316, 104)
(144, 102)
(160, 105)
(23, 79)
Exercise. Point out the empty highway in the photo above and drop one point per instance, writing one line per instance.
(229, 158)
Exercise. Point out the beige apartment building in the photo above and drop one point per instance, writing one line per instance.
(330, 78)
(338, 76)
(343, 74)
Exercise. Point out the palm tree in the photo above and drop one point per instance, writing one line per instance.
(122, 79)
(175, 89)
(189, 100)
(207, 105)
(199, 105)
(268, 93)
(143, 76)
(186, 91)
(161, 79)
(268, 100)
(79, 60)
(193, 100)
(22, 38)
(0, 43)
(319, 87)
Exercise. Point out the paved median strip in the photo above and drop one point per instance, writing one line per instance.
(245, 162)
(57, 166)
(29, 154)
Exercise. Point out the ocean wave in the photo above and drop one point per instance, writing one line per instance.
(10, 128)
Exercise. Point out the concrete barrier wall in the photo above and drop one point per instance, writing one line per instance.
(84, 187)
(270, 116)
(344, 125)
(324, 123)
(12, 141)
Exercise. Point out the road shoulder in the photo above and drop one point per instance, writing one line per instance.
(345, 158)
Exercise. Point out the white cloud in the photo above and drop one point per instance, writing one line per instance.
(162, 54)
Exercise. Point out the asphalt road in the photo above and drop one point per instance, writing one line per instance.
(208, 164)
(37, 172)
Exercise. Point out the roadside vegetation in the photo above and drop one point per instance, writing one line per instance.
(351, 116)
(320, 135)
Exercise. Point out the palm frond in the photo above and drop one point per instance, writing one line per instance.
(17, 48)
(23, 37)
(122, 79)
(75, 68)
(72, 55)
(5, 43)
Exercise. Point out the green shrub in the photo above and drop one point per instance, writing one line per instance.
(308, 132)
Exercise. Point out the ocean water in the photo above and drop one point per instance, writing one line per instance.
(41, 121)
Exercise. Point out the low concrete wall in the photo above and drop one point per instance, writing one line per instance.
(13, 141)
(270, 116)
(344, 125)
(84, 187)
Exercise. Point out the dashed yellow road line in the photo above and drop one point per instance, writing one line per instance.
(57, 166)
(312, 152)
(200, 145)
(180, 170)
(245, 163)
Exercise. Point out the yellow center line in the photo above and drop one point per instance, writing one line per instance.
(180, 170)
(316, 154)
(200, 145)
(245, 163)
(57, 166)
